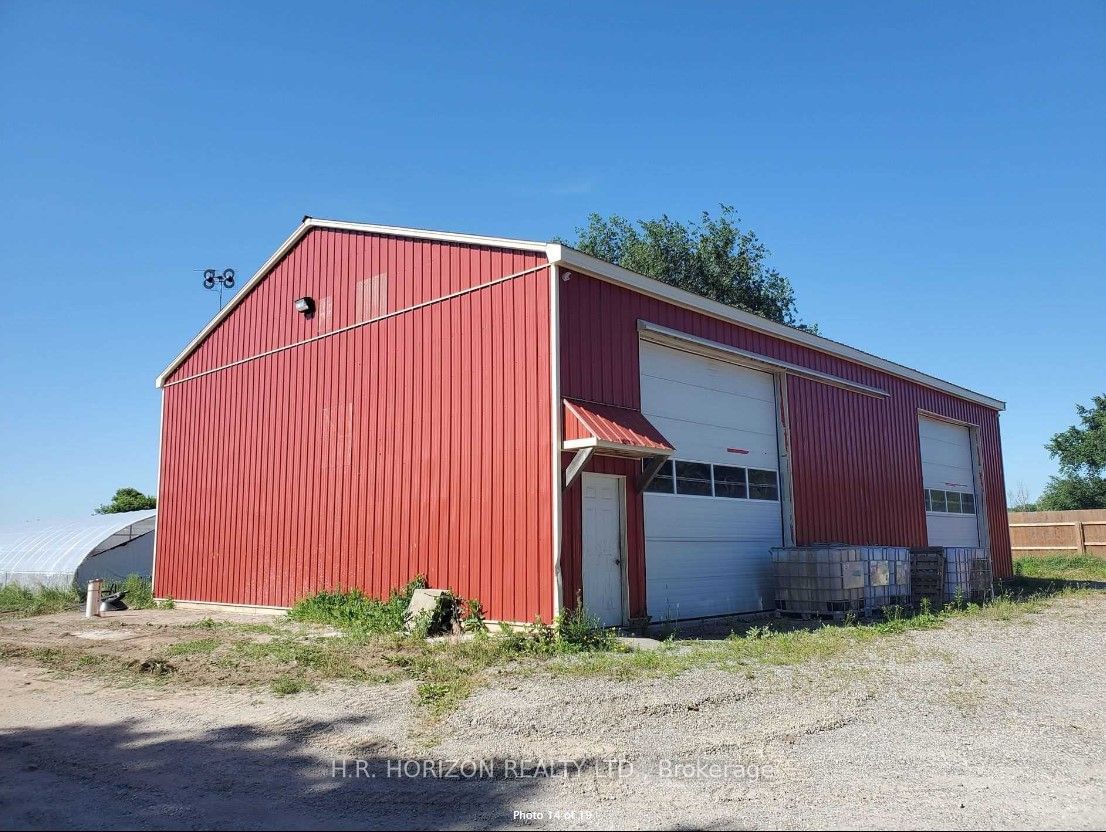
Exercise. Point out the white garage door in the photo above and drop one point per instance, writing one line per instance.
(948, 476)
(713, 512)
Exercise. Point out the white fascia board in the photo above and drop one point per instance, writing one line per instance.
(569, 258)
(236, 299)
(365, 228)
(428, 234)
(620, 447)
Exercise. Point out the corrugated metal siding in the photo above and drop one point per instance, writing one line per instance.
(419, 443)
(840, 439)
(351, 276)
(855, 458)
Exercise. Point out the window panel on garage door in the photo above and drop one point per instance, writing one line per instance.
(707, 550)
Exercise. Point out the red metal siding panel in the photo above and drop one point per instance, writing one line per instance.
(419, 443)
(856, 461)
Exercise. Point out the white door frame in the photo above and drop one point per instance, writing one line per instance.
(783, 441)
(623, 551)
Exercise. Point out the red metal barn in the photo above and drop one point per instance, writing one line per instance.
(526, 425)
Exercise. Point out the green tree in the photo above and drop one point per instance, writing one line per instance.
(1068, 493)
(128, 499)
(1081, 452)
(713, 257)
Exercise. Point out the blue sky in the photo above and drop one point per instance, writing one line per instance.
(932, 177)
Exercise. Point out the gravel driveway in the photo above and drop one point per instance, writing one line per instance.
(976, 725)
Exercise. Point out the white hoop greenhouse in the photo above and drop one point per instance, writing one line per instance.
(61, 553)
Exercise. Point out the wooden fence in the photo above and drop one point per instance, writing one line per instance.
(1039, 532)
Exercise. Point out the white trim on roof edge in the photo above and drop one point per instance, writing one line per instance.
(667, 337)
(426, 234)
(569, 258)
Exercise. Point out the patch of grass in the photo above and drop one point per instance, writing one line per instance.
(1062, 567)
(288, 685)
(763, 645)
(1010, 607)
(234, 626)
(895, 619)
(193, 647)
(286, 651)
(356, 611)
(445, 673)
(338, 658)
(40, 600)
(435, 695)
(448, 673)
(58, 658)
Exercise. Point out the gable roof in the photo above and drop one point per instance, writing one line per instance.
(569, 258)
(300, 232)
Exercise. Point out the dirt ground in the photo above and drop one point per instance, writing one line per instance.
(979, 724)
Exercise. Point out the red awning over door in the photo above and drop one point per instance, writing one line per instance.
(620, 431)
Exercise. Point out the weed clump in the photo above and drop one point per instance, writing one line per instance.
(139, 592)
(578, 631)
(573, 631)
(356, 611)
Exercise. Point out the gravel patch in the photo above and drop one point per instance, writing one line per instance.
(975, 725)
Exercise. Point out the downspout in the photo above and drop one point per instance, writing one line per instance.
(555, 424)
(160, 489)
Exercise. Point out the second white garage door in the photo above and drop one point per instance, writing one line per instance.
(948, 476)
(713, 512)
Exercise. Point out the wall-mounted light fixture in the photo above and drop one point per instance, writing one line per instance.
(305, 305)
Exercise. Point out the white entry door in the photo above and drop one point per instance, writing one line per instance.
(948, 476)
(603, 555)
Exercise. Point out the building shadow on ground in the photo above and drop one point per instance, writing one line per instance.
(124, 776)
